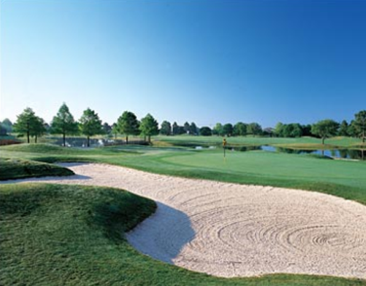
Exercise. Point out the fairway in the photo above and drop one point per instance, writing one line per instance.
(276, 166)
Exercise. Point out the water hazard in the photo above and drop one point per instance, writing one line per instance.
(355, 154)
(334, 153)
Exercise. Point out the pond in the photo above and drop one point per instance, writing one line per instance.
(81, 142)
(335, 153)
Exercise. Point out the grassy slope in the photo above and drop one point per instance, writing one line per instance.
(17, 168)
(70, 235)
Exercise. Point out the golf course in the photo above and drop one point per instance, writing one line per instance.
(183, 143)
(78, 235)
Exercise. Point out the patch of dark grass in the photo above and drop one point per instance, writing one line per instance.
(17, 169)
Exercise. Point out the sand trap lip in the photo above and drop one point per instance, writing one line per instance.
(232, 230)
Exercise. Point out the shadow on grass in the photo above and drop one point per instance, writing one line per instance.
(45, 179)
(163, 235)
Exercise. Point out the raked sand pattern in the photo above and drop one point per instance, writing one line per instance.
(233, 230)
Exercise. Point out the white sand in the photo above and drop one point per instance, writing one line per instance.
(232, 230)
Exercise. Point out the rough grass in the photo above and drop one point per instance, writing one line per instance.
(17, 169)
(73, 235)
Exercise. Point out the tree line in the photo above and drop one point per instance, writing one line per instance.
(30, 125)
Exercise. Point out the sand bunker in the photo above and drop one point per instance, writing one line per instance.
(232, 230)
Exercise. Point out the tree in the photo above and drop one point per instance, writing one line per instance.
(26, 123)
(292, 130)
(107, 128)
(296, 130)
(181, 130)
(218, 129)
(186, 127)
(8, 125)
(306, 130)
(343, 128)
(128, 124)
(279, 129)
(254, 128)
(3, 130)
(90, 124)
(205, 131)
(227, 129)
(240, 129)
(64, 123)
(115, 130)
(325, 129)
(149, 126)
(268, 131)
(193, 130)
(352, 129)
(39, 128)
(166, 128)
(175, 129)
(360, 124)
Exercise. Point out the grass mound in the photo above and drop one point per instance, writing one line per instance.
(39, 148)
(57, 235)
(17, 169)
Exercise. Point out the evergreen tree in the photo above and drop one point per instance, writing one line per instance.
(26, 123)
(90, 124)
(186, 127)
(343, 128)
(193, 130)
(175, 130)
(64, 123)
(8, 125)
(166, 128)
(149, 126)
(39, 129)
(128, 124)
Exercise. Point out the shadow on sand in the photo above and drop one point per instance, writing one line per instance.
(163, 235)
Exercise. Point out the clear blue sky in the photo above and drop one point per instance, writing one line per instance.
(204, 61)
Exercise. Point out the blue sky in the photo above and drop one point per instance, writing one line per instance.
(204, 61)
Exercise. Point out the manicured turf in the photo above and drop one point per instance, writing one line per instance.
(276, 166)
(17, 169)
(342, 178)
(73, 235)
(303, 142)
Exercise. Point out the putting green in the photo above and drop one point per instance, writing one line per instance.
(277, 166)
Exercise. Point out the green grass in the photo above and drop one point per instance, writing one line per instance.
(303, 142)
(17, 169)
(73, 235)
(114, 260)
(338, 177)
